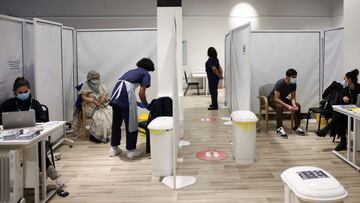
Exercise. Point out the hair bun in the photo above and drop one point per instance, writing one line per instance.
(355, 71)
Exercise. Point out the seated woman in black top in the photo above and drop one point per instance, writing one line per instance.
(23, 102)
(348, 95)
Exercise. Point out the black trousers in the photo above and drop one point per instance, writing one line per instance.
(340, 122)
(120, 114)
(213, 89)
(279, 112)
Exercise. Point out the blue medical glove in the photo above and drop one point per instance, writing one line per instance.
(141, 105)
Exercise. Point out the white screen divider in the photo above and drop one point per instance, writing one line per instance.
(68, 47)
(227, 70)
(11, 54)
(333, 56)
(273, 52)
(112, 52)
(28, 39)
(48, 68)
(240, 67)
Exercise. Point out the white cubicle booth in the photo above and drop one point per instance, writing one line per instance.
(271, 54)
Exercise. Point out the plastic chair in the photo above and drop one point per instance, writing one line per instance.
(190, 84)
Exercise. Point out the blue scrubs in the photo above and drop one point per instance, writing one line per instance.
(120, 107)
(213, 80)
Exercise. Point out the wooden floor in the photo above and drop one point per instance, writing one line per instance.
(92, 176)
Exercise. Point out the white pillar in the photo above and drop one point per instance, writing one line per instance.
(166, 17)
(351, 34)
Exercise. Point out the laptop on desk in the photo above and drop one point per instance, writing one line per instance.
(18, 119)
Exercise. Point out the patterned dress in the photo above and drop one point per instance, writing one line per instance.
(101, 116)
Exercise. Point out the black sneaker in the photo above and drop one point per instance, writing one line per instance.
(341, 147)
(322, 132)
(281, 132)
(213, 108)
(299, 131)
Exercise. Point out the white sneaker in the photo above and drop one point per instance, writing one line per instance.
(281, 132)
(131, 154)
(299, 131)
(115, 151)
(52, 173)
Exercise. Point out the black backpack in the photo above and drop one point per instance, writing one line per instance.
(331, 95)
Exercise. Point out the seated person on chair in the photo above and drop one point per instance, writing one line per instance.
(24, 102)
(348, 96)
(278, 100)
(94, 94)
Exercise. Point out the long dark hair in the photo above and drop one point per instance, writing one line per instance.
(353, 75)
(212, 52)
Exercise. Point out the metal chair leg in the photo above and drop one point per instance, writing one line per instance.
(186, 89)
(307, 119)
(319, 122)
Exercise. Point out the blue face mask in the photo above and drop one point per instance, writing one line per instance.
(23, 96)
(93, 81)
(293, 80)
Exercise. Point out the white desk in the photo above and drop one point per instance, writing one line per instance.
(31, 162)
(352, 143)
(203, 76)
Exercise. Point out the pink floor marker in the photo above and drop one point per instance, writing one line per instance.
(211, 155)
(207, 120)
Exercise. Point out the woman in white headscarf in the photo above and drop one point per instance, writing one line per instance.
(94, 94)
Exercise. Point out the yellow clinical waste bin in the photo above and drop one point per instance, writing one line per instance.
(243, 136)
(161, 139)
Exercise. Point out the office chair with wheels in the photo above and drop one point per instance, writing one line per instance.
(189, 84)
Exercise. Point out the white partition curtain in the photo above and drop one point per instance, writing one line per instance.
(48, 68)
(29, 55)
(240, 53)
(11, 54)
(275, 52)
(68, 71)
(333, 56)
(113, 52)
(227, 70)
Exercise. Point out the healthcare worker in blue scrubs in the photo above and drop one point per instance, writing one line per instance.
(214, 74)
(124, 105)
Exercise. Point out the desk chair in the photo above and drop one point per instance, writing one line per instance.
(190, 84)
(265, 108)
(158, 107)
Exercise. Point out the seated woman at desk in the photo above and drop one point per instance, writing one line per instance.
(94, 93)
(348, 95)
(24, 102)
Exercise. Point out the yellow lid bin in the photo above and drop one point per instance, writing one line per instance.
(161, 135)
(243, 136)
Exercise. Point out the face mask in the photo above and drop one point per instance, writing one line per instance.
(344, 83)
(93, 81)
(293, 80)
(23, 96)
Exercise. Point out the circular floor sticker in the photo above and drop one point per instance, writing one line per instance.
(211, 155)
(207, 120)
